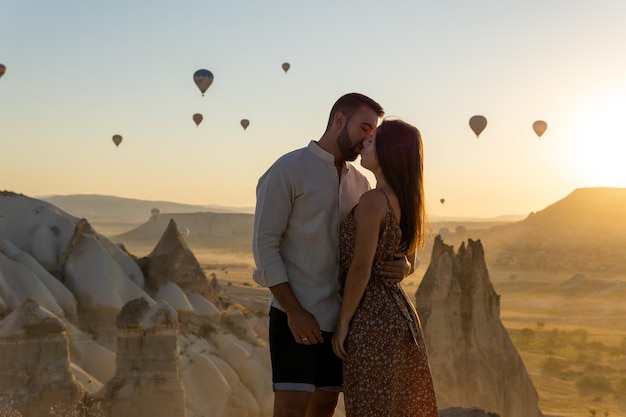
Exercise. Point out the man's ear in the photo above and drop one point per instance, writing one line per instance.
(340, 120)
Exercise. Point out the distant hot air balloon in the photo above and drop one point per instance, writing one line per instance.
(245, 123)
(478, 124)
(286, 66)
(203, 79)
(117, 139)
(443, 200)
(3, 69)
(183, 230)
(197, 118)
(154, 213)
(540, 127)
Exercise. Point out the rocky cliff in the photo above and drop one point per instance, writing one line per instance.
(473, 360)
(146, 382)
(103, 332)
(35, 361)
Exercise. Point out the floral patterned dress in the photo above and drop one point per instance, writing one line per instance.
(386, 371)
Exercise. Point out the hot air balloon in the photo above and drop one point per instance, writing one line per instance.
(245, 123)
(197, 118)
(443, 200)
(117, 139)
(203, 79)
(154, 213)
(3, 69)
(286, 66)
(478, 124)
(540, 127)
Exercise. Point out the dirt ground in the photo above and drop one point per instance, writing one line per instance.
(521, 308)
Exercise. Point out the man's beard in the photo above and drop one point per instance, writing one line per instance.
(346, 147)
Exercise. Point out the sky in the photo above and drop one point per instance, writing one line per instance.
(78, 73)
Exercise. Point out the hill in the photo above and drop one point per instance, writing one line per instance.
(585, 231)
(207, 230)
(102, 211)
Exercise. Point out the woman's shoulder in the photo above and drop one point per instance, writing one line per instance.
(372, 203)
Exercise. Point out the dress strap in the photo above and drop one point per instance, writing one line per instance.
(386, 196)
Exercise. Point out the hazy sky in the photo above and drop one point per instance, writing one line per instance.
(79, 72)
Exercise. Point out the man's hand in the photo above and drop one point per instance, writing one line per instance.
(304, 327)
(397, 269)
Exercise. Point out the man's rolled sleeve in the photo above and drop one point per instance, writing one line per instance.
(270, 222)
(270, 276)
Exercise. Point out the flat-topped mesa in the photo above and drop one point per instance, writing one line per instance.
(35, 361)
(173, 261)
(473, 361)
(146, 382)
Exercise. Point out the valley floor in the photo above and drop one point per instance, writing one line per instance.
(574, 347)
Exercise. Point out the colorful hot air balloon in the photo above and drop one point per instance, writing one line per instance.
(203, 79)
(117, 139)
(245, 123)
(197, 118)
(3, 69)
(286, 66)
(540, 127)
(478, 124)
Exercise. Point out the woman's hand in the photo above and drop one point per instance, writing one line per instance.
(339, 339)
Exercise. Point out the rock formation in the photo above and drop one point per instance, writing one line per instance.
(465, 412)
(102, 277)
(473, 360)
(146, 382)
(35, 361)
(204, 355)
(173, 261)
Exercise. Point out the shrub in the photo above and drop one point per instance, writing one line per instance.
(527, 333)
(620, 387)
(554, 365)
(82, 408)
(596, 383)
(6, 408)
(582, 357)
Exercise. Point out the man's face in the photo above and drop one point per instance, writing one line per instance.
(358, 128)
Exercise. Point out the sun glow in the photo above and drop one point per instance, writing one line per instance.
(599, 141)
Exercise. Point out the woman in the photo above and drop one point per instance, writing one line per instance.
(379, 336)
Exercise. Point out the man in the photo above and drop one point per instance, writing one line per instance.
(301, 200)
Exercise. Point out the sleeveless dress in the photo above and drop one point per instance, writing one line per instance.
(386, 371)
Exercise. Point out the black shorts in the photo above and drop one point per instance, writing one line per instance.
(297, 367)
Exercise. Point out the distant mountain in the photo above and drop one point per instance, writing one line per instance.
(591, 288)
(110, 209)
(585, 231)
(208, 230)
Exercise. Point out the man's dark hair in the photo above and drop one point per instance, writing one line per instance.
(350, 104)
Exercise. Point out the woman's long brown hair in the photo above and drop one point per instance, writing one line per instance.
(400, 155)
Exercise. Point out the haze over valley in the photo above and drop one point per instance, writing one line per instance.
(560, 273)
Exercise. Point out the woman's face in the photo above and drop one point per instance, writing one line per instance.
(369, 159)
